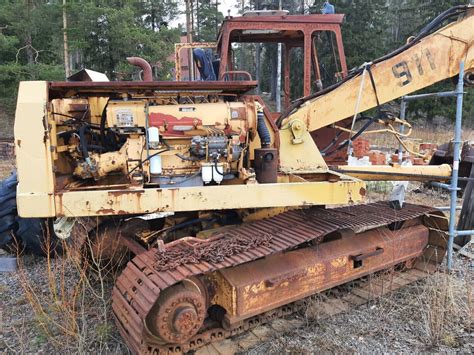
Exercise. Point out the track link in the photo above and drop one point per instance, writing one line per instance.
(146, 276)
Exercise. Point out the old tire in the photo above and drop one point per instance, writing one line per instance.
(7, 212)
(34, 235)
(37, 236)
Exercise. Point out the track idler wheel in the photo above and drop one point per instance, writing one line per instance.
(177, 315)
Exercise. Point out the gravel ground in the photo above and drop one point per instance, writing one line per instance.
(59, 311)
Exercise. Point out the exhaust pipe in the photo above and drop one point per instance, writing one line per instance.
(144, 65)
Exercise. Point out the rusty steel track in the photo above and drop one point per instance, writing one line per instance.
(146, 277)
(332, 302)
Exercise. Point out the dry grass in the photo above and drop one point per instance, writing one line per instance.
(419, 135)
(71, 304)
(446, 305)
(432, 315)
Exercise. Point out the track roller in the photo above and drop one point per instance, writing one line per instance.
(177, 315)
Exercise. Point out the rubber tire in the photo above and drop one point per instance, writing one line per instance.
(8, 185)
(34, 233)
(7, 223)
(6, 239)
(28, 233)
(8, 207)
(8, 212)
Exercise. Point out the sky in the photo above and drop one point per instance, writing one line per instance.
(228, 5)
(224, 6)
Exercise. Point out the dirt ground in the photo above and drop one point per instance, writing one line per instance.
(49, 307)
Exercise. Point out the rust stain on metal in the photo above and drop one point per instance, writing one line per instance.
(295, 273)
(59, 209)
(106, 211)
(298, 274)
(123, 193)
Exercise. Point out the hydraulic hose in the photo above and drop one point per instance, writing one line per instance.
(83, 143)
(262, 129)
(103, 120)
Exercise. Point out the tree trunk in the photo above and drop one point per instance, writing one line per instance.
(67, 67)
(153, 18)
(189, 38)
(257, 56)
(273, 80)
(257, 67)
(29, 48)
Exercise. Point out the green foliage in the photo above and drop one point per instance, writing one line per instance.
(28, 46)
(106, 35)
(155, 14)
(101, 34)
(208, 21)
(364, 30)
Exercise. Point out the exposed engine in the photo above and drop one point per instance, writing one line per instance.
(160, 141)
(211, 147)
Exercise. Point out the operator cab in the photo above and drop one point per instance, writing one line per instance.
(311, 46)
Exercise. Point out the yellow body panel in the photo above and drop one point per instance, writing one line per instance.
(299, 157)
(33, 151)
(40, 195)
(397, 173)
(122, 202)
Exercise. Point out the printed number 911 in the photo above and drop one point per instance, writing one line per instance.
(402, 71)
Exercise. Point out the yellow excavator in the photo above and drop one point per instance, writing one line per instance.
(233, 217)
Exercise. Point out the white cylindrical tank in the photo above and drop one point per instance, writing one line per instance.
(155, 165)
(206, 173)
(153, 137)
(218, 173)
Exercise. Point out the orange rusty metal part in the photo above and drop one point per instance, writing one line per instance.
(112, 240)
(142, 283)
(178, 315)
(268, 283)
(292, 30)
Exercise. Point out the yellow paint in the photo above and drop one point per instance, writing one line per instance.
(33, 152)
(316, 269)
(225, 295)
(147, 200)
(390, 173)
(300, 157)
(339, 262)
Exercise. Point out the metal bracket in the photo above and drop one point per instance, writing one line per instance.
(297, 128)
(361, 257)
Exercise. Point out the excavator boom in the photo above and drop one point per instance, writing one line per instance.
(420, 63)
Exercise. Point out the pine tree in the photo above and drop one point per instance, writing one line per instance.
(208, 19)
(30, 46)
(106, 34)
(101, 34)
